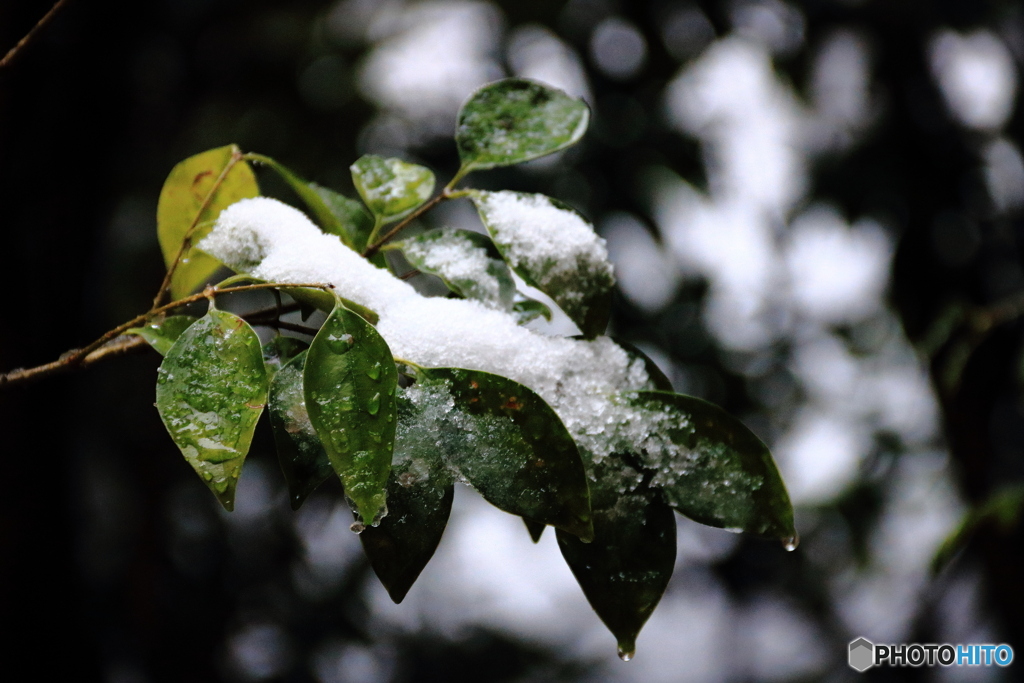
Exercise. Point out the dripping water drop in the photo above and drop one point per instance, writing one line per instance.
(790, 543)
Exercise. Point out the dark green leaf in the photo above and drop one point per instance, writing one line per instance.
(511, 446)
(525, 309)
(710, 467)
(191, 197)
(515, 120)
(279, 350)
(350, 382)
(161, 334)
(391, 188)
(303, 458)
(625, 570)
(211, 389)
(420, 493)
(350, 213)
(536, 529)
(467, 262)
(1004, 509)
(554, 249)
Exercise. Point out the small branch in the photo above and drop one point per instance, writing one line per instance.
(98, 349)
(13, 53)
(291, 327)
(186, 242)
(122, 346)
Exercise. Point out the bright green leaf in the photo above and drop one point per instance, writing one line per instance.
(349, 383)
(420, 493)
(161, 334)
(303, 458)
(554, 249)
(391, 188)
(211, 389)
(510, 445)
(625, 570)
(193, 195)
(710, 467)
(467, 262)
(515, 120)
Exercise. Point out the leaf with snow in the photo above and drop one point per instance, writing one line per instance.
(553, 249)
(467, 262)
(211, 389)
(625, 570)
(505, 441)
(515, 120)
(349, 384)
(709, 466)
(194, 194)
(161, 334)
(420, 491)
(525, 309)
(391, 188)
(300, 453)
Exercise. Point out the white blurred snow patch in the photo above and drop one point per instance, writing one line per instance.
(821, 455)
(686, 32)
(776, 25)
(618, 48)
(259, 651)
(779, 642)
(330, 547)
(433, 56)
(646, 274)
(697, 544)
(840, 82)
(837, 272)
(1004, 174)
(536, 53)
(340, 662)
(976, 75)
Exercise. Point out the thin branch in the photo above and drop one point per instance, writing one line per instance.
(13, 53)
(122, 346)
(282, 325)
(372, 250)
(86, 355)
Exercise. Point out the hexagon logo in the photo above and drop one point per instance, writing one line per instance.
(862, 654)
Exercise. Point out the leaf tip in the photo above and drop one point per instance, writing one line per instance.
(627, 649)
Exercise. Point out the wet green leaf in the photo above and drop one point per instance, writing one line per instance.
(467, 262)
(191, 196)
(211, 389)
(350, 382)
(536, 529)
(515, 120)
(525, 309)
(420, 492)
(511, 446)
(279, 350)
(391, 188)
(554, 249)
(625, 570)
(350, 213)
(303, 458)
(161, 334)
(711, 468)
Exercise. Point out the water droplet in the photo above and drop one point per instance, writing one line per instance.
(791, 542)
(626, 654)
(357, 527)
(373, 372)
(341, 343)
(373, 405)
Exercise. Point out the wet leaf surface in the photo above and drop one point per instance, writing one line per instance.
(211, 389)
(713, 469)
(515, 120)
(391, 188)
(510, 446)
(181, 205)
(467, 262)
(625, 570)
(350, 383)
(420, 491)
(302, 457)
(161, 334)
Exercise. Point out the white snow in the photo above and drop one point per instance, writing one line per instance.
(458, 260)
(271, 240)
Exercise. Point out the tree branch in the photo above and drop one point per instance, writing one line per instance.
(13, 53)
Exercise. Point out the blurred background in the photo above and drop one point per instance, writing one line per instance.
(814, 210)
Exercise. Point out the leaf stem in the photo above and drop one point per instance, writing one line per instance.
(446, 193)
(13, 53)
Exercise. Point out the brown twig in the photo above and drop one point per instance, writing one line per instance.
(13, 53)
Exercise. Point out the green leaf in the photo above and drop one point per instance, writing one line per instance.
(420, 492)
(515, 120)
(161, 334)
(191, 196)
(391, 188)
(1003, 509)
(625, 570)
(467, 262)
(710, 467)
(554, 249)
(510, 445)
(302, 456)
(349, 383)
(526, 309)
(211, 389)
(536, 529)
(355, 220)
(279, 350)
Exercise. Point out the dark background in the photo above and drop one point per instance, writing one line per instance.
(98, 580)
